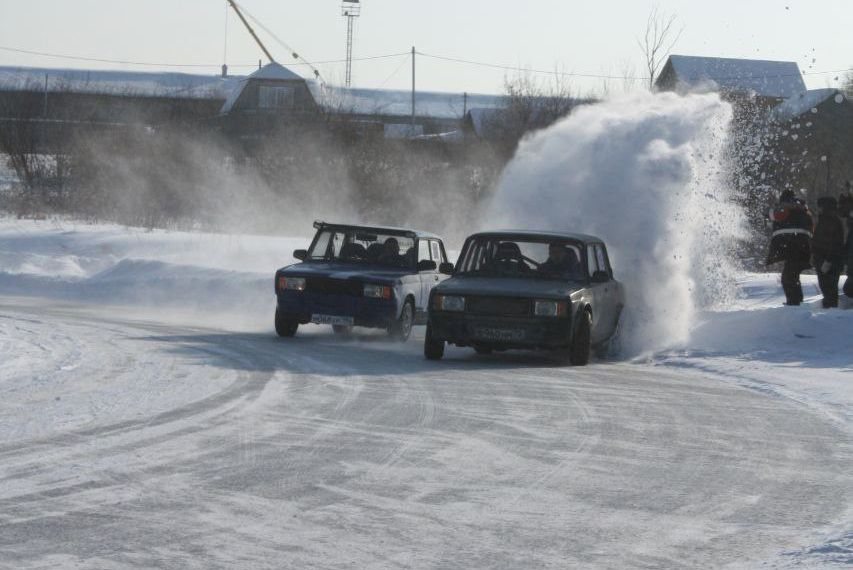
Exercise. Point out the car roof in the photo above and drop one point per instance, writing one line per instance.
(378, 229)
(548, 234)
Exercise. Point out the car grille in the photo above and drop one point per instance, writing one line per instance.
(334, 286)
(497, 306)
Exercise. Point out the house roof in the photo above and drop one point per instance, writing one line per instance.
(389, 102)
(806, 101)
(780, 79)
(132, 83)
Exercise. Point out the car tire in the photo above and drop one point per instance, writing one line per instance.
(402, 327)
(433, 349)
(580, 347)
(284, 326)
(343, 330)
(483, 349)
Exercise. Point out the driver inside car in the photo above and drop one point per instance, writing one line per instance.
(561, 260)
(508, 259)
(390, 253)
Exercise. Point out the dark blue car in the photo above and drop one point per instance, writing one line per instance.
(361, 276)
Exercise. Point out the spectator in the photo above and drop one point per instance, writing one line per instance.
(828, 250)
(848, 284)
(845, 201)
(792, 230)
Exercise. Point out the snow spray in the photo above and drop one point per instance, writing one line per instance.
(646, 173)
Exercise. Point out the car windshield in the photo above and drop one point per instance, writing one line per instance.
(354, 245)
(537, 258)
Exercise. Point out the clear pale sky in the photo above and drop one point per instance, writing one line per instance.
(571, 36)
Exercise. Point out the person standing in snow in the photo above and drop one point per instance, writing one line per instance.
(848, 284)
(792, 232)
(845, 201)
(828, 250)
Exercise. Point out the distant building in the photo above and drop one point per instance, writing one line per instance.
(767, 82)
(251, 107)
(814, 141)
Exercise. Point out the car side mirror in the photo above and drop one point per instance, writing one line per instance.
(600, 277)
(446, 268)
(426, 265)
(300, 254)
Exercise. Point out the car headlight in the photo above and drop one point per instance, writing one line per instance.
(549, 308)
(377, 291)
(448, 303)
(292, 283)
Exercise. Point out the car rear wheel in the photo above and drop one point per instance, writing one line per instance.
(433, 349)
(580, 347)
(285, 326)
(483, 349)
(402, 327)
(342, 329)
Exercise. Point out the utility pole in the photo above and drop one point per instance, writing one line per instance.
(44, 111)
(350, 9)
(413, 91)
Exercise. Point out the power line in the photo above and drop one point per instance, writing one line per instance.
(196, 65)
(602, 76)
(385, 56)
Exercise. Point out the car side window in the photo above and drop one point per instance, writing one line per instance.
(600, 257)
(591, 260)
(423, 250)
(437, 254)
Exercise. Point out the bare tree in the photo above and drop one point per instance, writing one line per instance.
(660, 37)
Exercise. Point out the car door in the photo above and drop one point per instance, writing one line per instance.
(597, 292)
(608, 310)
(425, 277)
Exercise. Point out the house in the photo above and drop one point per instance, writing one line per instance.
(762, 82)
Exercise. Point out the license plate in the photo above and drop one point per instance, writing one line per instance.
(491, 333)
(332, 320)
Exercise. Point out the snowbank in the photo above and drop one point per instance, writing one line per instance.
(231, 275)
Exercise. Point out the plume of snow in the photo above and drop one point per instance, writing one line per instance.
(646, 173)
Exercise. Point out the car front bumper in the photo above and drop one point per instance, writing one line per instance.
(500, 332)
(365, 312)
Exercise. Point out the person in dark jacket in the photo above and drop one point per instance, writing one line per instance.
(848, 284)
(845, 201)
(792, 232)
(828, 250)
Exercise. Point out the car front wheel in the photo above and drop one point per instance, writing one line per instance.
(284, 326)
(433, 349)
(580, 347)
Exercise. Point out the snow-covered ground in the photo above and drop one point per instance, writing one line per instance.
(127, 357)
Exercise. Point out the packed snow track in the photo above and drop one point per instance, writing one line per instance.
(130, 442)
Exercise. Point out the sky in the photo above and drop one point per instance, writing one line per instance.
(574, 38)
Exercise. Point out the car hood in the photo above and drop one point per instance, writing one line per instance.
(507, 286)
(345, 271)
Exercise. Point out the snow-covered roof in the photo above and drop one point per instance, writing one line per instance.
(138, 83)
(767, 78)
(275, 71)
(805, 102)
(436, 104)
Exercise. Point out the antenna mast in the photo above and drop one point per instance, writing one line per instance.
(350, 9)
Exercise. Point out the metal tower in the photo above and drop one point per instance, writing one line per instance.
(350, 9)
